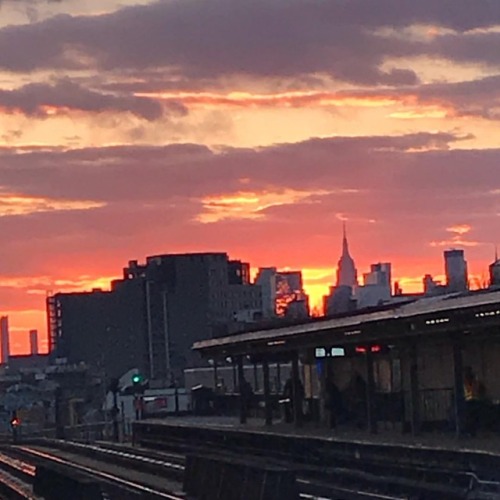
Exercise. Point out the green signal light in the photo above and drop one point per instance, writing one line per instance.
(136, 379)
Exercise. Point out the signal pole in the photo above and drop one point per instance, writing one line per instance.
(14, 425)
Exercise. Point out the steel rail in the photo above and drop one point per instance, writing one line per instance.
(332, 490)
(105, 476)
(16, 477)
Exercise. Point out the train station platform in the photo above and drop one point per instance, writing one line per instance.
(488, 443)
(439, 453)
(438, 465)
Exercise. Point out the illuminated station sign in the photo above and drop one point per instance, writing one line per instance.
(329, 352)
(337, 352)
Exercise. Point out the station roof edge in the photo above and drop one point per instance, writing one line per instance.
(439, 306)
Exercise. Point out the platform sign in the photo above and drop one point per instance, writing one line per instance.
(336, 352)
(330, 352)
(320, 352)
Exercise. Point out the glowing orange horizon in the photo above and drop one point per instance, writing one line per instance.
(317, 282)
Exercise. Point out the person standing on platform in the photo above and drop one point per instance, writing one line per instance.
(292, 396)
(474, 395)
(356, 392)
(333, 403)
(248, 396)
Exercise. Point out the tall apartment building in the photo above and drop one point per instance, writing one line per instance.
(4, 341)
(33, 342)
(106, 330)
(457, 279)
(266, 280)
(291, 299)
(155, 313)
(380, 274)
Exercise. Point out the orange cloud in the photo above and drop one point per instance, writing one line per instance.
(250, 205)
(284, 99)
(458, 231)
(417, 107)
(19, 204)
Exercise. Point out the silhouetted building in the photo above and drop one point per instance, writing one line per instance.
(33, 342)
(279, 289)
(376, 289)
(347, 274)
(266, 279)
(28, 362)
(105, 330)
(495, 272)
(151, 317)
(298, 308)
(456, 271)
(339, 301)
(238, 272)
(380, 274)
(340, 298)
(244, 303)
(290, 290)
(371, 295)
(4, 333)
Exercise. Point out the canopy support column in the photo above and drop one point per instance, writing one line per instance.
(370, 392)
(243, 391)
(267, 393)
(459, 399)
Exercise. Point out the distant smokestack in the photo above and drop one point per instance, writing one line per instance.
(4, 338)
(33, 342)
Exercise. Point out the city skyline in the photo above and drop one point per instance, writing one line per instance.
(128, 128)
(316, 293)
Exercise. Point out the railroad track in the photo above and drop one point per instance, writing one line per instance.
(172, 465)
(16, 478)
(315, 483)
(154, 462)
(18, 470)
(373, 479)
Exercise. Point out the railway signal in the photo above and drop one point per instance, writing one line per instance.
(14, 425)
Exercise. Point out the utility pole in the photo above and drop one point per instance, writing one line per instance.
(138, 389)
(57, 411)
(115, 388)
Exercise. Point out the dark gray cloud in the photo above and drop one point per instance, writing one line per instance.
(153, 195)
(479, 97)
(151, 174)
(288, 38)
(475, 47)
(194, 39)
(469, 98)
(235, 37)
(34, 99)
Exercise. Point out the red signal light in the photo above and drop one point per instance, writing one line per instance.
(15, 422)
(362, 349)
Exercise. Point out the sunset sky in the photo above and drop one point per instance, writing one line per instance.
(130, 128)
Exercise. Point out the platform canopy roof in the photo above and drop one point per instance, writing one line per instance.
(466, 313)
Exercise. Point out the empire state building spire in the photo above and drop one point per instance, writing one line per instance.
(346, 270)
(345, 246)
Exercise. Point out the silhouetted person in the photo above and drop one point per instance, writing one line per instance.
(247, 395)
(293, 394)
(356, 392)
(333, 403)
(475, 397)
